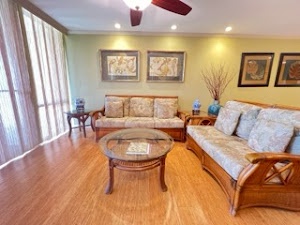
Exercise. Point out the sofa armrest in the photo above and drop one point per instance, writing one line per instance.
(268, 156)
(277, 169)
(183, 116)
(96, 114)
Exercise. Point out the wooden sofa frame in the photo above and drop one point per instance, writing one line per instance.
(177, 134)
(253, 187)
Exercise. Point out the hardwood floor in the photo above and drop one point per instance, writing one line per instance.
(64, 181)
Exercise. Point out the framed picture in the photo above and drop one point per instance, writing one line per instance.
(119, 65)
(288, 73)
(165, 66)
(255, 69)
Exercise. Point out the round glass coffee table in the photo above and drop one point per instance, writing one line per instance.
(136, 149)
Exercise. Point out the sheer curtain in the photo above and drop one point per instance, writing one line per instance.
(19, 128)
(48, 63)
(33, 90)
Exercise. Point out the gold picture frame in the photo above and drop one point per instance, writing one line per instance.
(255, 69)
(288, 72)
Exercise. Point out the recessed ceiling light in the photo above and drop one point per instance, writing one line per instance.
(173, 27)
(227, 29)
(117, 25)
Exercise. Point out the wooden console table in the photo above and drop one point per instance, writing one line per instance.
(81, 116)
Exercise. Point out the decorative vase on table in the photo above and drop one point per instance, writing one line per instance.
(79, 103)
(214, 108)
(196, 107)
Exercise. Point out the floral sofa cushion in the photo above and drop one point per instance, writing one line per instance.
(281, 116)
(227, 120)
(125, 101)
(114, 109)
(228, 151)
(168, 123)
(246, 123)
(247, 119)
(287, 117)
(146, 122)
(294, 145)
(110, 122)
(270, 136)
(165, 108)
(141, 107)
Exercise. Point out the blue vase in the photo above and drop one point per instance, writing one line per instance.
(214, 108)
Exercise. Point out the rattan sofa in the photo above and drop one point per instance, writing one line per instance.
(254, 155)
(144, 111)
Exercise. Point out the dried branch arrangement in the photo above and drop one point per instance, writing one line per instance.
(216, 79)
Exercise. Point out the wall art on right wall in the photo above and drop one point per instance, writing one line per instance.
(255, 69)
(288, 73)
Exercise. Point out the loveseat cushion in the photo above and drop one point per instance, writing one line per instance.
(228, 151)
(227, 120)
(141, 107)
(145, 122)
(270, 136)
(174, 122)
(110, 122)
(165, 108)
(114, 109)
(125, 101)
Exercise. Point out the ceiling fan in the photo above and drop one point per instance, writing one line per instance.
(137, 7)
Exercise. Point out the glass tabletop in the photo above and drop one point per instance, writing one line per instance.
(136, 144)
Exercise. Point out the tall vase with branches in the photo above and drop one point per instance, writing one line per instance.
(216, 79)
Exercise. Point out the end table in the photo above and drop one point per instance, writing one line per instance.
(81, 116)
(201, 119)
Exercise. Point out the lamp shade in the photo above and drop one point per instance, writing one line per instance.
(138, 4)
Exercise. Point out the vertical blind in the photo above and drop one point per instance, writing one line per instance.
(33, 82)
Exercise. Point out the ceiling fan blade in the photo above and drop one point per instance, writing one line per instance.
(135, 17)
(175, 6)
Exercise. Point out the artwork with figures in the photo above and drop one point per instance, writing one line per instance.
(255, 69)
(165, 66)
(119, 65)
(288, 73)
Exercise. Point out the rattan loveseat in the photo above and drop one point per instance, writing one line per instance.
(253, 152)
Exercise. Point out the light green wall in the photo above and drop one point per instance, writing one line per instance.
(201, 52)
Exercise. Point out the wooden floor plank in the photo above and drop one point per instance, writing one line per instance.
(64, 181)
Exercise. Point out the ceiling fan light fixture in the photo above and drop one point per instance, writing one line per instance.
(138, 4)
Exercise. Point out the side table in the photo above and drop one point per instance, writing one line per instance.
(201, 119)
(81, 116)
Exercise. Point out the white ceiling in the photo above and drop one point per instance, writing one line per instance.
(266, 18)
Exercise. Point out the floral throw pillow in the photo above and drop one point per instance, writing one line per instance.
(227, 120)
(270, 136)
(246, 123)
(165, 108)
(114, 109)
